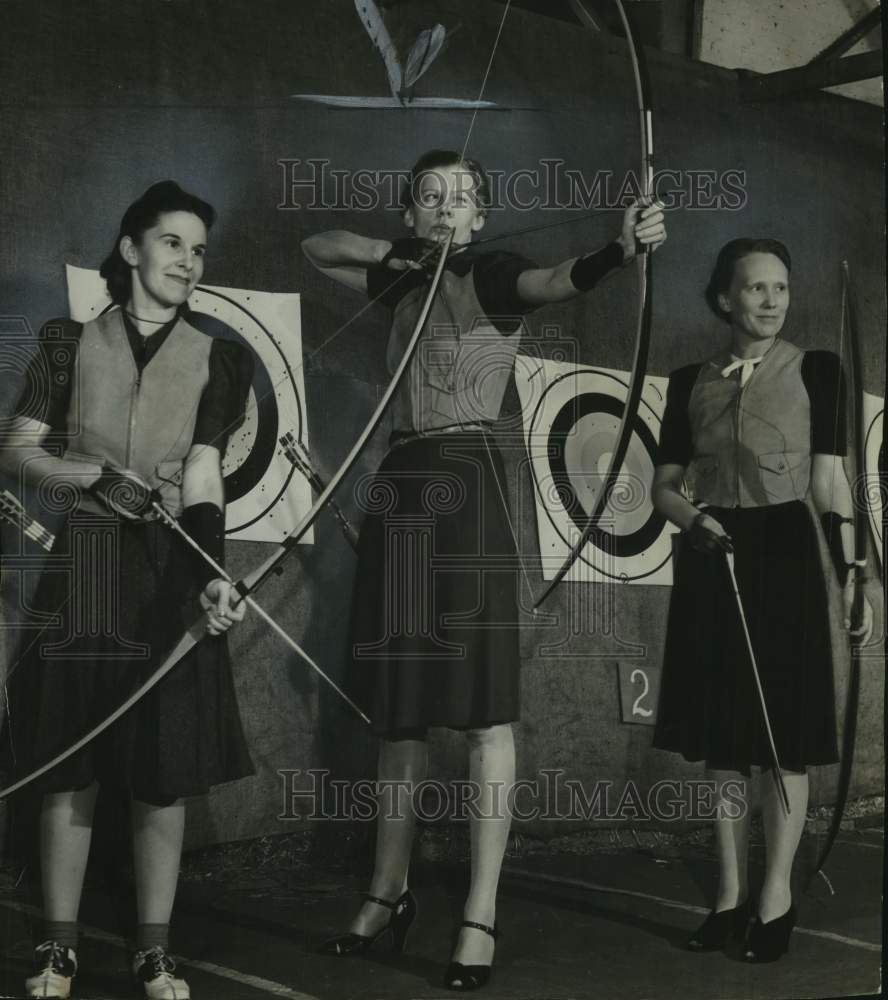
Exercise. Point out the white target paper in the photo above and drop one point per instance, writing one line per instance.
(266, 496)
(873, 417)
(571, 417)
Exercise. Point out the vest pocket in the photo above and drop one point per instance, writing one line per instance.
(777, 474)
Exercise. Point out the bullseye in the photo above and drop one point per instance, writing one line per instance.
(572, 419)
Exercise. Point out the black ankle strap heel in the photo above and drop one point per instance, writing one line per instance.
(403, 913)
(465, 978)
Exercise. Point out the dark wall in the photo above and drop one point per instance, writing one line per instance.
(102, 98)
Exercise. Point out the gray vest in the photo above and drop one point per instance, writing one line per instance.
(462, 364)
(752, 446)
(146, 424)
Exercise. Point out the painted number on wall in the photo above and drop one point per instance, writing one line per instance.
(639, 690)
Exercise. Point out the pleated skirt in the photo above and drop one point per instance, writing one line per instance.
(434, 626)
(709, 707)
(116, 597)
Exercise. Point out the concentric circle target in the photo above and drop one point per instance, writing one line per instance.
(249, 469)
(572, 433)
(254, 481)
(874, 455)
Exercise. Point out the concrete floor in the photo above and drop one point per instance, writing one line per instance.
(608, 925)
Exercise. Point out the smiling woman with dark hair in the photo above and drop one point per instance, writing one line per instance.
(754, 432)
(143, 404)
(160, 199)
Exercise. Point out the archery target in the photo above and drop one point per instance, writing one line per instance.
(873, 422)
(265, 495)
(572, 416)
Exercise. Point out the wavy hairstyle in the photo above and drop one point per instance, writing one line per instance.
(165, 196)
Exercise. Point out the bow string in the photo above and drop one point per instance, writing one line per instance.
(272, 564)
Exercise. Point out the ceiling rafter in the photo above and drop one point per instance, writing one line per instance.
(814, 76)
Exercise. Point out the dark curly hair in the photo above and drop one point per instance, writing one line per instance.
(730, 253)
(165, 196)
(436, 158)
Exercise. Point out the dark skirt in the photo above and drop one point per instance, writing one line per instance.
(121, 602)
(709, 709)
(434, 631)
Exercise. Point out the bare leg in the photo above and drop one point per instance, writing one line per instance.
(782, 836)
(65, 833)
(732, 839)
(402, 764)
(157, 851)
(492, 771)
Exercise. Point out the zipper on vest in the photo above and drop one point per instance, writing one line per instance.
(131, 428)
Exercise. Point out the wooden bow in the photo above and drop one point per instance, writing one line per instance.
(254, 579)
(852, 702)
(645, 310)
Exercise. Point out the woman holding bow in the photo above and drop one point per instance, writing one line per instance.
(755, 432)
(120, 414)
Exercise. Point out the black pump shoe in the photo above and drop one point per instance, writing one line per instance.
(403, 912)
(767, 942)
(469, 977)
(718, 928)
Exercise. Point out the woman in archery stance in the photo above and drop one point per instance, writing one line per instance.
(144, 404)
(757, 429)
(438, 645)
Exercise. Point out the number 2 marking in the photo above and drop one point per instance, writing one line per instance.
(636, 675)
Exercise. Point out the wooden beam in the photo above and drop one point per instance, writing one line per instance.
(695, 24)
(852, 36)
(677, 27)
(830, 73)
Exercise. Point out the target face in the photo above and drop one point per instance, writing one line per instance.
(572, 416)
(873, 421)
(265, 495)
